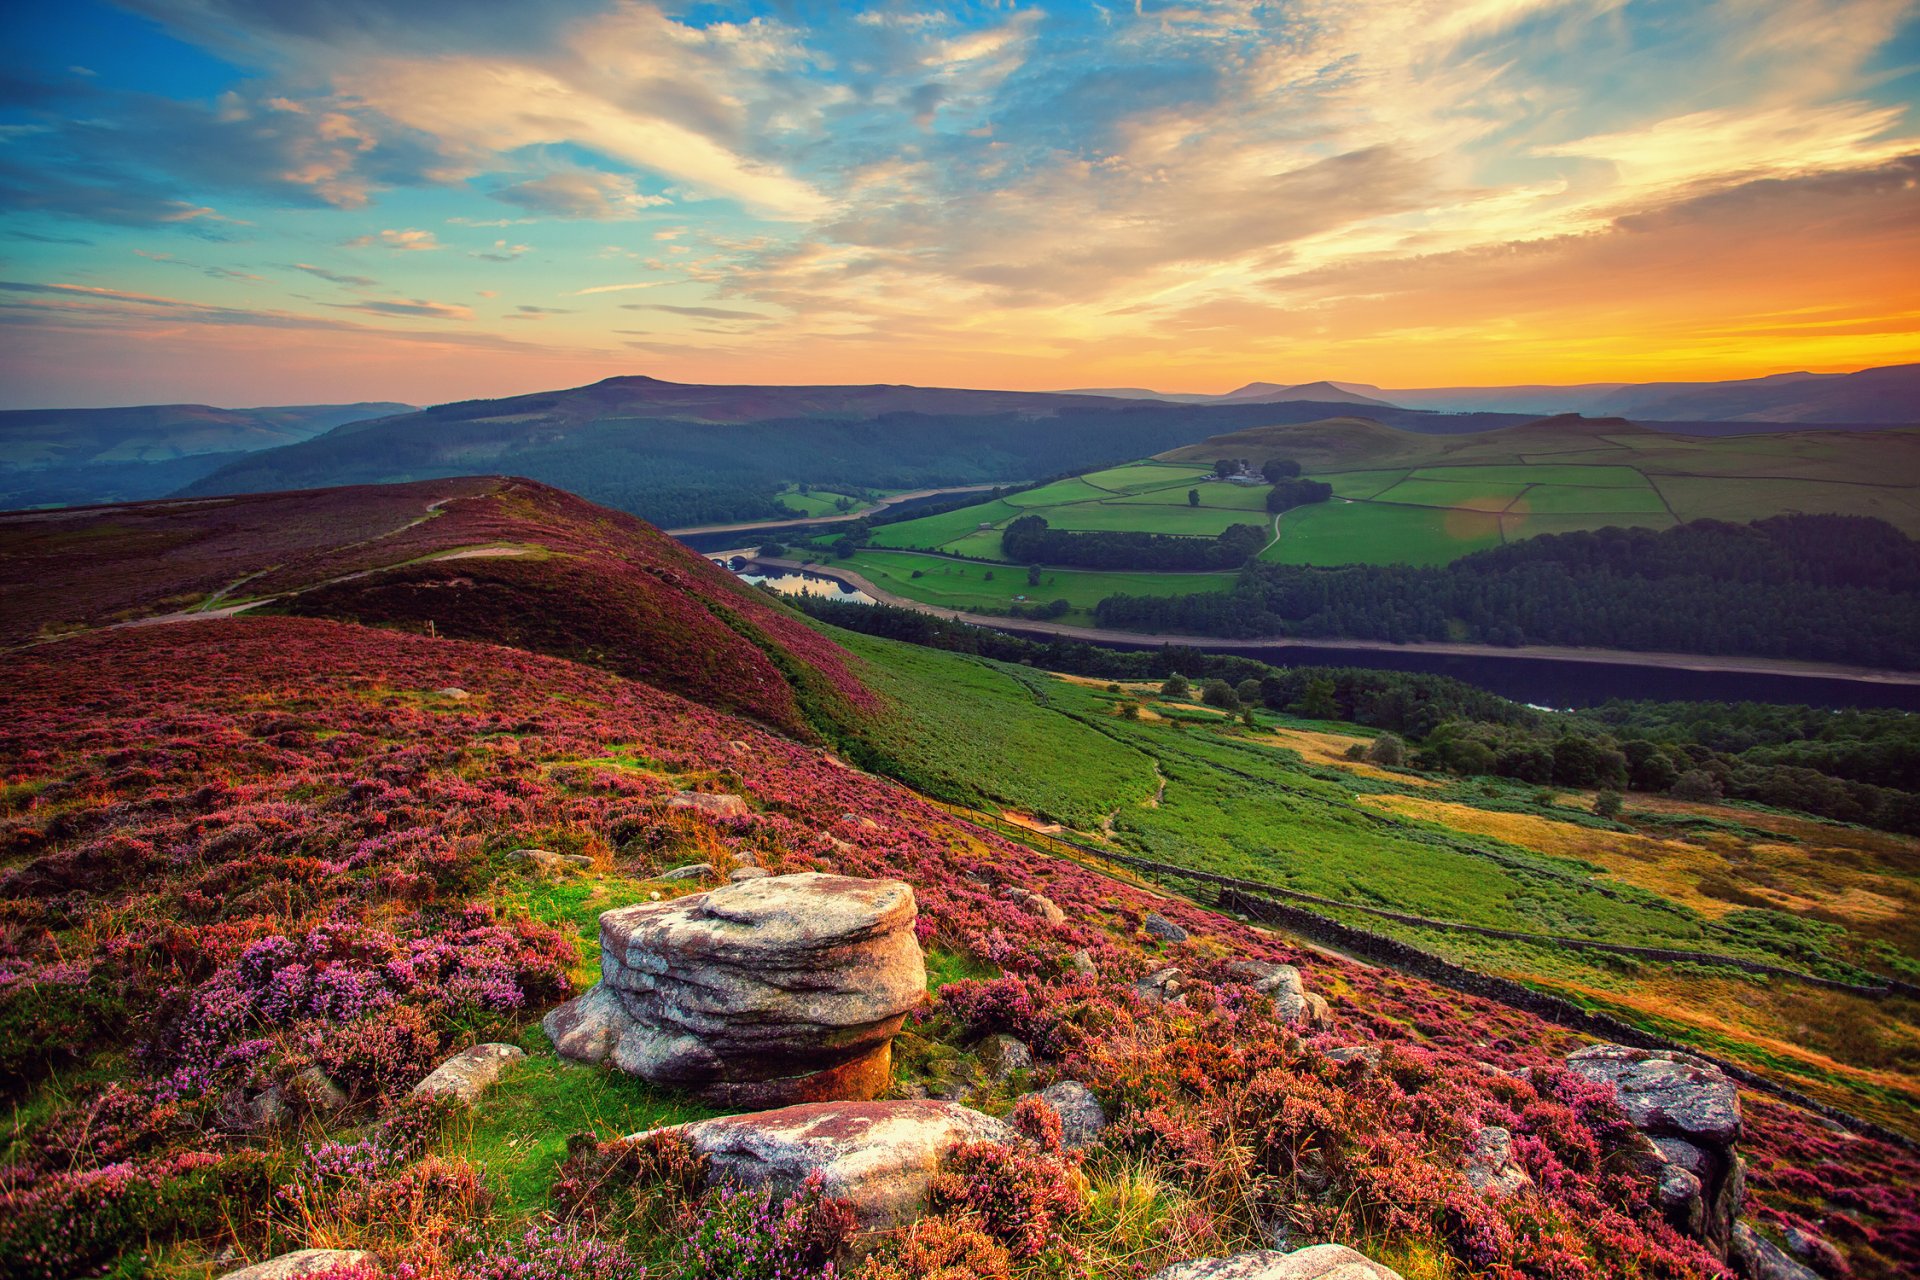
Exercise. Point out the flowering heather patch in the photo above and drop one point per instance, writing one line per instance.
(235, 850)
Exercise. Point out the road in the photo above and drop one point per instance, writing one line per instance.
(768, 526)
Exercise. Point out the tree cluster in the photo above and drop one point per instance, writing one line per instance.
(1030, 540)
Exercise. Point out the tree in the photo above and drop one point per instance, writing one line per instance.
(1697, 785)
(1218, 693)
(1033, 575)
(772, 550)
(1246, 716)
(1316, 701)
(1387, 750)
(1193, 497)
(1607, 805)
(1277, 469)
(1248, 691)
(1176, 687)
(1287, 494)
(1225, 467)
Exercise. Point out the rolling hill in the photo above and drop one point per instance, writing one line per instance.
(71, 456)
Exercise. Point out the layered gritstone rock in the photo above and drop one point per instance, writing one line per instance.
(756, 994)
(1688, 1112)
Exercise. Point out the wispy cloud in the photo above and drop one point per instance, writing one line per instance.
(334, 277)
(411, 239)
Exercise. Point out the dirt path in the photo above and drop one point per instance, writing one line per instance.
(1546, 653)
(768, 526)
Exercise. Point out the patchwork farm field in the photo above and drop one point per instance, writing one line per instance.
(960, 584)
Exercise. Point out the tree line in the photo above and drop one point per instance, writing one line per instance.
(1819, 587)
(1031, 540)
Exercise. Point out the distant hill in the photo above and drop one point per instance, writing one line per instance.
(1871, 397)
(74, 456)
(684, 454)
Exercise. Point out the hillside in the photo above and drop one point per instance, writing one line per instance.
(72, 456)
(262, 873)
(486, 559)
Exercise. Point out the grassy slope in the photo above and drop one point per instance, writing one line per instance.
(1251, 805)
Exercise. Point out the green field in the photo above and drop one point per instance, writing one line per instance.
(1340, 532)
(958, 584)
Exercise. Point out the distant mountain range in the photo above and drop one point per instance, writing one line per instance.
(1883, 396)
(75, 456)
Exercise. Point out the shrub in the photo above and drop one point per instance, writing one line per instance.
(746, 1235)
(1022, 1196)
(939, 1248)
(1696, 785)
(1387, 750)
(1607, 804)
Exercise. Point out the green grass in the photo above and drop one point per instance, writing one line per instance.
(1369, 533)
(1056, 494)
(1231, 497)
(937, 530)
(520, 1130)
(1553, 499)
(1462, 495)
(1138, 476)
(976, 732)
(956, 584)
(1611, 477)
(1362, 484)
(1199, 522)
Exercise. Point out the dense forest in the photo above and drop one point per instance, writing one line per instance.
(1858, 766)
(1819, 587)
(1030, 540)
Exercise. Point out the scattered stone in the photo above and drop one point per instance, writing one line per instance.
(469, 1073)
(756, 994)
(1082, 961)
(860, 821)
(1364, 1053)
(747, 873)
(1758, 1258)
(1490, 1166)
(242, 1112)
(1002, 1055)
(1320, 1262)
(1160, 927)
(553, 863)
(738, 747)
(839, 845)
(1038, 903)
(1291, 1000)
(1162, 986)
(452, 693)
(1081, 1115)
(879, 1156)
(711, 804)
(1689, 1114)
(311, 1088)
(746, 858)
(302, 1262)
(1816, 1253)
(692, 871)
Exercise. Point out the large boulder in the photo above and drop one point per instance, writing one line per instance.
(1320, 1262)
(755, 994)
(471, 1072)
(880, 1157)
(1758, 1258)
(1688, 1113)
(1291, 1000)
(302, 1262)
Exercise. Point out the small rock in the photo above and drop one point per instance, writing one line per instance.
(1081, 961)
(736, 746)
(738, 874)
(452, 693)
(711, 804)
(1081, 1115)
(1160, 927)
(241, 1112)
(1363, 1053)
(860, 821)
(1291, 1000)
(1321, 1262)
(746, 858)
(1038, 903)
(553, 863)
(1490, 1167)
(1816, 1253)
(1758, 1258)
(1163, 986)
(1002, 1055)
(839, 845)
(878, 1156)
(469, 1073)
(303, 1262)
(310, 1088)
(692, 871)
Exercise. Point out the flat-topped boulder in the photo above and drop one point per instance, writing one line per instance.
(302, 1262)
(880, 1157)
(1319, 1262)
(758, 993)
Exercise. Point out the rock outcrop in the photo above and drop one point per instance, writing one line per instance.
(1490, 1166)
(711, 804)
(1320, 1262)
(1758, 1258)
(755, 994)
(471, 1072)
(878, 1156)
(302, 1262)
(1081, 1115)
(1689, 1113)
(1291, 999)
(1158, 926)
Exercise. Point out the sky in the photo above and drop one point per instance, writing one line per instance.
(244, 202)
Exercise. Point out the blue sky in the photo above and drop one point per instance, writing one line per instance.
(254, 201)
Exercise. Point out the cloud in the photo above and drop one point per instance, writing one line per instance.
(502, 252)
(580, 193)
(703, 313)
(415, 307)
(410, 240)
(335, 277)
(217, 273)
(545, 311)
